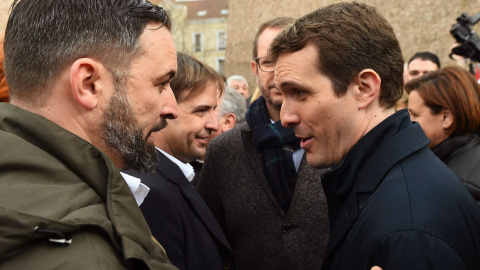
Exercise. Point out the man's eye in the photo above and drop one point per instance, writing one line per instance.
(299, 93)
(267, 63)
(414, 72)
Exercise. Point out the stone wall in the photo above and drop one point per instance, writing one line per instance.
(420, 25)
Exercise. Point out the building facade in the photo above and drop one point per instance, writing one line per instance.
(200, 29)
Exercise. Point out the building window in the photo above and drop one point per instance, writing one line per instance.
(220, 65)
(221, 40)
(197, 42)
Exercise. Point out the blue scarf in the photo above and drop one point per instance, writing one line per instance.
(275, 145)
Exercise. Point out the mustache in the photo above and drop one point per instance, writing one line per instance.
(158, 126)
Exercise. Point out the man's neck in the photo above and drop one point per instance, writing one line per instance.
(273, 112)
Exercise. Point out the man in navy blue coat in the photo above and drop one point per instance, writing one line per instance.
(176, 214)
(391, 202)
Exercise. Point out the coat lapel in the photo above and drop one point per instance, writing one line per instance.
(256, 167)
(173, 173)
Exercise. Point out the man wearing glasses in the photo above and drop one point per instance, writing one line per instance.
(256, 181)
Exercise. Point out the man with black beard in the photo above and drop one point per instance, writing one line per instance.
(258, 185)
(175, 212)
(89, 82)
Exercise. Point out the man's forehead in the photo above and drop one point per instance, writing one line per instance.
(266, 38)
(425, 64)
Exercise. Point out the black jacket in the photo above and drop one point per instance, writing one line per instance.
(181, 221)
(394, 204)
(462, 155)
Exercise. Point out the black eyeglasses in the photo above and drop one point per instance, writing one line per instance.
(264, 64)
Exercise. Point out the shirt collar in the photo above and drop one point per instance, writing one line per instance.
(186, 168)
(138, 189)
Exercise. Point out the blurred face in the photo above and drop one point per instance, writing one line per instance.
(327, 125)
(265, 80)
(418, 68)
(241, 87)
(431, 124)
(142, 104)
(186, 137)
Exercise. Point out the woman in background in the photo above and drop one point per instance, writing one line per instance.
(446, 103)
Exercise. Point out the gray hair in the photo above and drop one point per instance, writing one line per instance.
(233, 102)
(239, 78)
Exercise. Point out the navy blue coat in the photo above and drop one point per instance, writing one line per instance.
(394, 204)
(181, 221)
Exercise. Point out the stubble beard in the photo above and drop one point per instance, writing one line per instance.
(267, 95)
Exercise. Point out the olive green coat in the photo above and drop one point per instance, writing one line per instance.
(55, 185)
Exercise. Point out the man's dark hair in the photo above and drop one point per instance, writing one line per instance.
(426, 56)
(45, 36)
(348, 37)
(276, 23)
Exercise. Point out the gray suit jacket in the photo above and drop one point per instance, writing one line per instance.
(261, 234)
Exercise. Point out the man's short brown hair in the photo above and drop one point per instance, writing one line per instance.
(192, 77)
(276, 23)
(348, 37)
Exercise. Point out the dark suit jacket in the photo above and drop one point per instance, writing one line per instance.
(262, 235)
(181, 221)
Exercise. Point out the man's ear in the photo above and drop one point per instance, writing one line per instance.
(367, 86)
(84, 76)
(254, 67)
(448, 118)
(230, 119)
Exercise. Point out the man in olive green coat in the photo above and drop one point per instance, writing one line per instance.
(89, 82)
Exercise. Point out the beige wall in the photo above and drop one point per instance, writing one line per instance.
(209, 53)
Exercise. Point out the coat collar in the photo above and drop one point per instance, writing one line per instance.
(102, 176)
(449, 146)
(173, 174)
(349, 185)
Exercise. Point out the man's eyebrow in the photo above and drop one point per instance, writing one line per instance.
(290, 84)
(165, 77)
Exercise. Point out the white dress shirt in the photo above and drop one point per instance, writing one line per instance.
(186, 168)
(138, 189)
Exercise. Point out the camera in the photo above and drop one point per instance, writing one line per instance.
(468, 39)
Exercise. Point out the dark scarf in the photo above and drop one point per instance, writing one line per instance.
(275, 145)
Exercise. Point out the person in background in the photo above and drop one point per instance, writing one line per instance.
(257, 183)
(391, 202)
(230, 112)
(421, 63)
(89, 82)
(446, 104)
(175, 212)
(240, 84)
(418, 65)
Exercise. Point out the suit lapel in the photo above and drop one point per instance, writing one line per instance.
(256, 166)
(173, 173)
